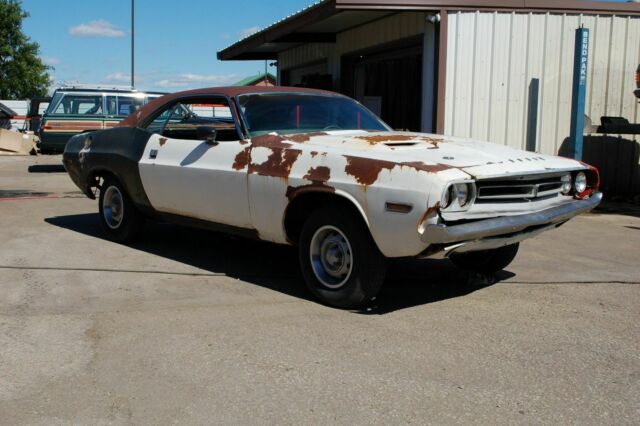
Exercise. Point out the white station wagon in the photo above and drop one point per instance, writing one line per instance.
(318, 170)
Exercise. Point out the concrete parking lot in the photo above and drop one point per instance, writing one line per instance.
(192, 327)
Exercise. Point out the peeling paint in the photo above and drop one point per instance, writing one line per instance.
(242, 159)
(374, 139)
(318, 174)
(270, 141)
(162, 141)
(313, 154)
(278, 163)
(366, 170)
(304, 137)
(429, 168)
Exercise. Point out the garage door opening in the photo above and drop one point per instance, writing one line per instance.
(388, 82)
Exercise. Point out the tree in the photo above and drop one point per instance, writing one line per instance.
(22, 73)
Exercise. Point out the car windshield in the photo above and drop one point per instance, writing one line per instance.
(287, 113)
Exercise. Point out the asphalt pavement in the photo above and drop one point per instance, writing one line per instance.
(192, 327)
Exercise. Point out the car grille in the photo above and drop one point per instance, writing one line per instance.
(515, 190)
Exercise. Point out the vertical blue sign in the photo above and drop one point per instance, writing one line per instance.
(580, 68)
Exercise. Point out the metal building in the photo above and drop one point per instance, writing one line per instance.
(497, 70)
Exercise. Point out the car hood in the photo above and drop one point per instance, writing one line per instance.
(438, 152)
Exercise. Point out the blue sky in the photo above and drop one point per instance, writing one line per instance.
(88, 41)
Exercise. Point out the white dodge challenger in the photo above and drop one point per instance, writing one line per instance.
(318, 170)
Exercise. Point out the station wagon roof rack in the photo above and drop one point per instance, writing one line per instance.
(104, 88)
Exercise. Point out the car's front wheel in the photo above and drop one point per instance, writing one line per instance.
(340, 262)
(486, 261)
(119, 217)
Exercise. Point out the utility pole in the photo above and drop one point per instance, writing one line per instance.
(132, 46)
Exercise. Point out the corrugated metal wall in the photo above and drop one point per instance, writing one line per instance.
(493, 58)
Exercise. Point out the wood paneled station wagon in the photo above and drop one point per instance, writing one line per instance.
(317, 170)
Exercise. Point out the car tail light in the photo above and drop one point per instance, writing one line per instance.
(638, 77)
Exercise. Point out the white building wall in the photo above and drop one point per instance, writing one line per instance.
(493, 57)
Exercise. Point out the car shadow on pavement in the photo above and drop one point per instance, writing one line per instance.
(409, 283)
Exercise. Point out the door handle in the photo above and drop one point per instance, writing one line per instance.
(153, 154)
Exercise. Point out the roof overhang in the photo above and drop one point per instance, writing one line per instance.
(320, 22)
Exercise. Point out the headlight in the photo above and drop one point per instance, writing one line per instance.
(458, 196)
(580, 183)
(463, 193)
(445, 201)
(566, 184)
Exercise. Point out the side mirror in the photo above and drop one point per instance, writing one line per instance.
(207, 134)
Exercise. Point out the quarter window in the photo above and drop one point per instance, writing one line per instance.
(181, 120)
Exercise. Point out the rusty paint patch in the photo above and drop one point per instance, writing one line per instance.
(270, 141)
(318, 174)
(304, 137)
(374, 139)
(243, 141)
(429, 168)
(366, 170)
(431, 211)
(313, 154)
(162, 141)
(242, 159)
(278, 163)
(432, 141)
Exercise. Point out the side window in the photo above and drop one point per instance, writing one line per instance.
(127, 105)
(158, 122)
(80, 104)
(183, 119)
(123, 106)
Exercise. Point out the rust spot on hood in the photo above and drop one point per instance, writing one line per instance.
(243, 141)
(304, 137)
(318, 174)
(429, 168)
(431, 211)
(242, 159)
(162, 141)
(313, 153)
(374, 139)
(366, 170)
(270, 141)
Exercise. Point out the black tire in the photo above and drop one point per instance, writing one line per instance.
(131, 221)
(368, 265)
(487, 261)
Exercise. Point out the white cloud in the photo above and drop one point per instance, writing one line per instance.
(99, 28)
(248, 31)
(119, 77)
(48, 60)
(190, 80)
(165, 84)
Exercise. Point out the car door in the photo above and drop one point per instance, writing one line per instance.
(188, 176)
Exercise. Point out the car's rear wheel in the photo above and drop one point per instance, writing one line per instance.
(119, 217)
(340, 262)
(486, 261)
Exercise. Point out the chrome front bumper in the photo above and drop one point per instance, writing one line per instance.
(485, 234)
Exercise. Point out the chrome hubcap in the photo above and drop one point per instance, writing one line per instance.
(113, 207)
(331, 257)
